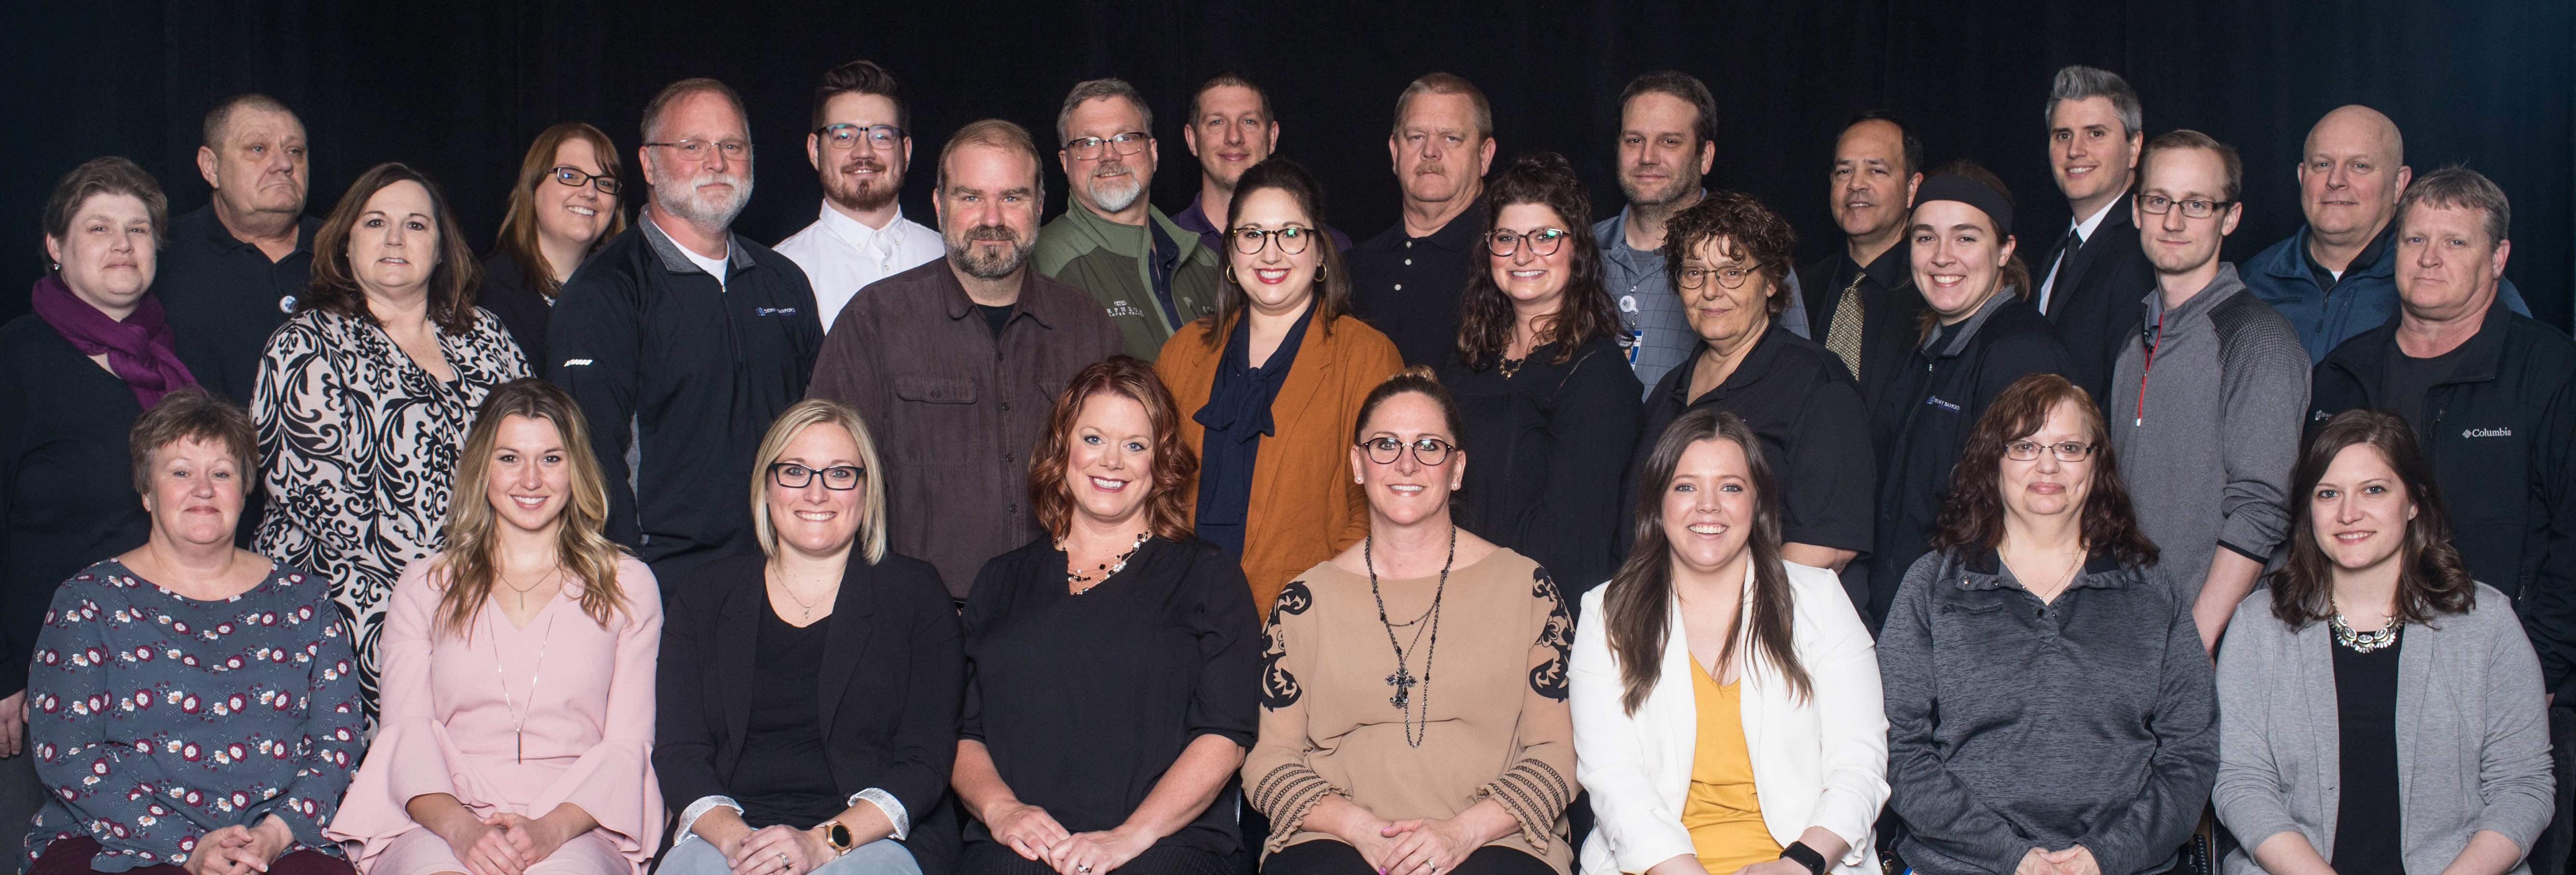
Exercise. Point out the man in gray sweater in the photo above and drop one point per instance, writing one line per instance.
(2206, 401)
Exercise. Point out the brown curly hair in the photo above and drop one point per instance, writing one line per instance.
(1485, 315)
(1174, 465)
(1751, 231)
(1973, 515)
(2431, 579)
(452, 282)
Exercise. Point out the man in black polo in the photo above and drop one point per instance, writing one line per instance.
(1861, 302)
(682, 340)
(232, 270)
(2493, 394)
(2091, 279)
(1405, 282)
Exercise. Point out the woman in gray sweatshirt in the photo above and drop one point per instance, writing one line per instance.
(2381, 712)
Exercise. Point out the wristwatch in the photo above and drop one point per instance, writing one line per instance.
(837, 835)
(1799, 853)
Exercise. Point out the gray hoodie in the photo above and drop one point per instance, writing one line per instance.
(2207, 427)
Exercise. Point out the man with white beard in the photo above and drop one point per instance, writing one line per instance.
(1151, 275)
(861, 145)
(682, 340)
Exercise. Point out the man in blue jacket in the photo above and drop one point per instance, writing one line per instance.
(2335, 277)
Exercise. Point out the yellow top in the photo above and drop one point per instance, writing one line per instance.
(1722, 814)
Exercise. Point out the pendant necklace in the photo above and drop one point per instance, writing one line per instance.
(518, 718)
(802, 605)
(1403, 680)
(1107, 569)
(2360, 642)
(523, 593)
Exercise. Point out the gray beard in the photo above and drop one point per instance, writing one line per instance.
(682, 200)
(1113, 200)
(965, 255)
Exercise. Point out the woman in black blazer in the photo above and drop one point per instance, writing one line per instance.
(830, 652)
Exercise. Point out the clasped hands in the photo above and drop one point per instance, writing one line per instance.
(2075, 860)
(1032, 833)
(240, 850)
(504, 843)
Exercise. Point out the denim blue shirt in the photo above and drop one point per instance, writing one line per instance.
(1656, 333)
(2363, 299)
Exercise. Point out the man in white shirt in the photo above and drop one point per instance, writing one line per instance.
(860, 147)
(2091, 277)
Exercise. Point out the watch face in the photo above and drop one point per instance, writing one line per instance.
(840, 836)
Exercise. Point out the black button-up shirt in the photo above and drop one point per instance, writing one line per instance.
(224, 297)
(1408, 287)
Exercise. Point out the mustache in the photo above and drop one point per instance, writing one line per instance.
(1431, 169)
(869, 162)
(991, 232)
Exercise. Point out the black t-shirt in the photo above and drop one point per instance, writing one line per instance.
(996, 317)
(1408, 287)
(2366, 820)
(781, 779)
(1550, 445)
(1086, 700)
(2408, 381)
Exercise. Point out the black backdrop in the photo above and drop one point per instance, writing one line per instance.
(458, 88)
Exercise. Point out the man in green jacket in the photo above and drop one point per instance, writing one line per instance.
(1148, 273)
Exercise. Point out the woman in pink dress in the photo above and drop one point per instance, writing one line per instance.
(517, 719)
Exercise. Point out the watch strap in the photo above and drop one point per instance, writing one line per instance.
(1799, 853)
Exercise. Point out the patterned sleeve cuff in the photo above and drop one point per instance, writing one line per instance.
(892, 807)
(689, 816)
(1535, 794)
(1286, 794)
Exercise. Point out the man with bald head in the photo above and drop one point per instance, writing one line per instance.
(230, 272)
(2335, 277)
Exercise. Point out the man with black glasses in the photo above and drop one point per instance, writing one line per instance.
(860, 148)
(1152, 276)
(2206, 399)
(682, 340)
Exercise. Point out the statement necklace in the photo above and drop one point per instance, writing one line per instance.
(1512, 367)
(1107, 569)
(1403, 680)
(2360, 642)
(518, 718)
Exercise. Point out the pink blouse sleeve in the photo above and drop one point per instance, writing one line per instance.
(614, 782)
(408, 758)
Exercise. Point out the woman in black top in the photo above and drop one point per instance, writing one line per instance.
(808, 698)
(1980, 336)
(74, 375)
(1112, 662)
(1730, 265)
(564, 208)
(1542, 387)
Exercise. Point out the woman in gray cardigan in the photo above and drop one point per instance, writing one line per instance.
(2379, 711)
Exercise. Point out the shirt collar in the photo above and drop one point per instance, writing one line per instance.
(1890, 269)
(222, 237)
(1195, 219)
(1967, 329)
(1616, 239)
(857, 233)
(679, 262)
(2084, 229)
(1462, 231)
(960, 305)
(2367, 262)
(1986, 571)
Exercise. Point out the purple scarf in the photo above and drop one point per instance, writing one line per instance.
(138, 349)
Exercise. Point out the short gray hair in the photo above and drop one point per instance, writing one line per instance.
(2079, 82)
(1094, 90)
(2458, 186)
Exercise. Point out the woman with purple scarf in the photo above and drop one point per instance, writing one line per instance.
(74, 376)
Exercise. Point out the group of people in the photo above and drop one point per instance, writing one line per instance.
(1066, 542)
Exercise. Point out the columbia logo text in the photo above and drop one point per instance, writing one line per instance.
(2486, 432)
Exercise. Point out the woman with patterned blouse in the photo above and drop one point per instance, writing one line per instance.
(1449, 751)
(194, 705)
(366, 395)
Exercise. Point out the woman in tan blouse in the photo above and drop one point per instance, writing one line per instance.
(1448, 748)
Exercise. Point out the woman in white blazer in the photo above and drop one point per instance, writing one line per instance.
(1713, 614)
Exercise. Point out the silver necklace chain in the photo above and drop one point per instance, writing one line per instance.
(1403, 680)
(518, 718)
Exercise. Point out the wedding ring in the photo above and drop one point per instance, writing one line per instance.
(1086, 870)
(783, 862)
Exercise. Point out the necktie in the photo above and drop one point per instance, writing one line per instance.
(2065, 253)
(1844, 337)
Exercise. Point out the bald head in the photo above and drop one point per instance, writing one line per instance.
(2351, 172)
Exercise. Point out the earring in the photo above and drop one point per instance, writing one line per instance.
(1363, 481)
(1229, 276)
(1319, 273)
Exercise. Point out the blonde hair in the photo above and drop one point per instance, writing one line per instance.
(797, 418)
(580, 548)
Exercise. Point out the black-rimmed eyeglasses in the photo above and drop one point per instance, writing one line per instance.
(1542, 242)
(1089, 148)
(1292, 240)
(1428, 451)
(2157, 205)
(789, 475)
(844, 136)
(2065, 451)
(573, 176)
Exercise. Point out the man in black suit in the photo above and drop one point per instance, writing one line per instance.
(1861, 302)
(2094, 275)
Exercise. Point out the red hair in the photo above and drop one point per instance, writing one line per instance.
(1166, 505)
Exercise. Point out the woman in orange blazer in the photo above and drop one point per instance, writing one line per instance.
(1272, 382)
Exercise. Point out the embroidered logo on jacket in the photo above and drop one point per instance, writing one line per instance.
(777, 311)
(1935, 400)
(2487, 432)
(1122, 308)
(574, 363)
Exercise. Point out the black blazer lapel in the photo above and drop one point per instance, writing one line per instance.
(2116, 230)
(737, 650)
(848, 637)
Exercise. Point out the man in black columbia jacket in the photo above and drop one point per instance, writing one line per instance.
(681, 341)
(2492, 393)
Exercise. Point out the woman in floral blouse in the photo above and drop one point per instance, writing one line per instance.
(194, 705)
(367, 393)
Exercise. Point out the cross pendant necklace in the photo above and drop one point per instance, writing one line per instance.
(1402, 680)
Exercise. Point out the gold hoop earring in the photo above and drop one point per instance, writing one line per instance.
(1229, 277)
(1319, 274)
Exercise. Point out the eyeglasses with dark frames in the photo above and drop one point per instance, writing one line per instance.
(1731, 276)
(1428, 451)
(839, 478)
(2065, 451)
(1089, 148)
(573, 176)
(2157, 205)
(1542, 242)
(701, 150)
(845, 136)
(1293, 240)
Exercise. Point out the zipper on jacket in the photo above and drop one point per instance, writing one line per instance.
(2153, 339)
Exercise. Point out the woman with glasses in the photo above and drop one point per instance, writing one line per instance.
(808, 696)
(366, 395)
(518, 703)
(1447, 749)
(564, 208)
(1113, 760)
(2049, 705)
(1730, 258)
(1268, 386)
(1541, 383)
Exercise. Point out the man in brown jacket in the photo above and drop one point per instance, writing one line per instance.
(956, 363)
